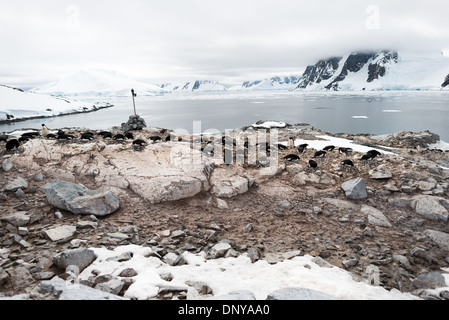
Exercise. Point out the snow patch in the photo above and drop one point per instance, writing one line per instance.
(231, 274)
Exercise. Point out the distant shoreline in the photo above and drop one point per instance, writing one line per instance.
(11, 121)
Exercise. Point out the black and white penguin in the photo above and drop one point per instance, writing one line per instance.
(281, 146)
(45, 131)
(155, 139)
(139, 142)
(345, 150)
(347, 163)
(12, 144)
(291, 143)
(118, 137)
(329, 148)
(367, 157)
(313, 164)
(105, 134)
(375, 153)
(321, 154)
(87, 136)
(291, 157)
(129, 135)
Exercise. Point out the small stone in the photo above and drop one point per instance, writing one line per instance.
(222, 204)
(16, 184)
(128, 273)
(58, 215)
(23, 231)
(348, 264)
(7, 165)
(219, 250)
(430, 280)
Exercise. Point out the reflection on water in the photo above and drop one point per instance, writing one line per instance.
(375, 113)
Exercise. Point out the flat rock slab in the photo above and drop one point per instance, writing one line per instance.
(79, 200)
(18, 183)
(60, 234)
(429, 207)
(375, 217)
(18, 219)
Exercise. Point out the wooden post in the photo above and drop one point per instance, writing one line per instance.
(134, 102)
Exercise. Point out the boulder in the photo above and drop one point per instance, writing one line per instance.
(226, 185)
(299, 294)
(375, 217)
(441, 238)
(7, 165)
(355, 189)
(81, 258)
(430, 207)
(430, 280)
(79, 200)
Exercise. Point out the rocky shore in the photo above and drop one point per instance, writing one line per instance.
(172, 194)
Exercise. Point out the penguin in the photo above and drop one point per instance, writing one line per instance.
(291, 157)
(367, 156)
(344, 150)
(30, 135)
(375, 153)
(12, 144)
(105, 134)
(139, 142)
(129, 135)
(281, 147)
(320, 154)
(51, 136)
(3, 139)
(291, 143)
(313, 164)
(45, 131)
(87, 136)
(347, 163)
(155, 139)
(329, 148)
(24, 139)
(118, 137)
(301, 150)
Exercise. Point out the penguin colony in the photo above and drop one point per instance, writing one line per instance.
(229, 147)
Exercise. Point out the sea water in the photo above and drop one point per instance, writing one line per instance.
(357, 112)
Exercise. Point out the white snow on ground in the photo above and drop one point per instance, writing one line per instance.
(31, 105)
(230, 274)
(337, 142)
(269, 124)
(440, 145)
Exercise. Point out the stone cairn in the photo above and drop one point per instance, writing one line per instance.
(134, 123)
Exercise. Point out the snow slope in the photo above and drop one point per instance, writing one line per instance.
(410, 72)
(194, 86)
(16, 104)
(274, 83)
(96, 82)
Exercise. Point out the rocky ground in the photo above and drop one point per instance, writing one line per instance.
(392, 215)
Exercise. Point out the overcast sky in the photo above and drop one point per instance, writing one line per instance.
(228, 41)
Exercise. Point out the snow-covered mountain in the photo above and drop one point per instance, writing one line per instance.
(96, 82)
(383, 70)
(15, 104)
(193, 86)
(274, 83)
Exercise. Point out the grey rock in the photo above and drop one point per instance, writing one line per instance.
(236, 295)
(3, 197)
(299, 294)
(113, 286)
(430, 208)
(219, 250)
(18, 219)
(375, 217)
(16, 184)
(348, 264)
(80, 200)
(20, 278)
(355, 189)
(441, 238)
(430, 280)
(128, 273)
(76, 292)
(81, 258)
(381, 172)
(121, 258)
(7, 165)
(60, 234)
